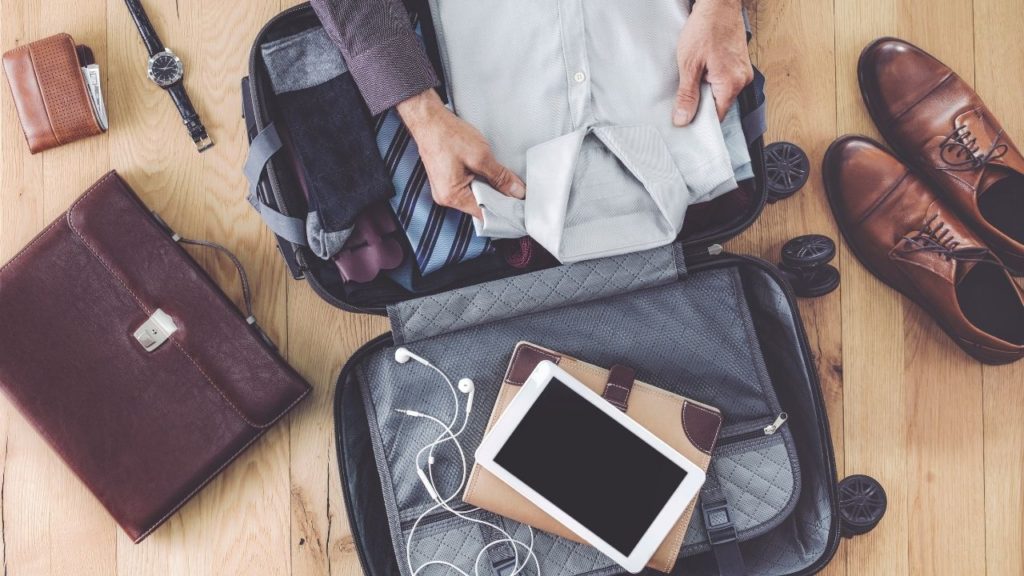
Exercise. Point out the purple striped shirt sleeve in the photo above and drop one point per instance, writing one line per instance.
(386, 59)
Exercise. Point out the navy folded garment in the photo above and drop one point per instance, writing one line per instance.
(335, 143)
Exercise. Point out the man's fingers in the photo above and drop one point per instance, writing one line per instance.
(688, 94)
(472, 209)
(464, 201)
(461, 199)
(498, 176)
(725, 93)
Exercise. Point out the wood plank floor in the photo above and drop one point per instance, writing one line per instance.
(944, 434)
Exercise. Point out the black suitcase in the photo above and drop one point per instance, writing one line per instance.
(692, 275)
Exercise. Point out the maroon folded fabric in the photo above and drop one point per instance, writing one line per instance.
(372, 247)
(525, 252)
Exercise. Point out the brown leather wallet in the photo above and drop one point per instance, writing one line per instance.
(688, 426)
(50, 91)
(144, 421)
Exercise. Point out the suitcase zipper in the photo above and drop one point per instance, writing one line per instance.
(768, 430)
(774, 426)
(700, 254)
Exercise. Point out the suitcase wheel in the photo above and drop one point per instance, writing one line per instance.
(787, 169)
(805, 265)
(862, 504)
(808, 251)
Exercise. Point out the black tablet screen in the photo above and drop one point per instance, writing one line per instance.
(590, 466)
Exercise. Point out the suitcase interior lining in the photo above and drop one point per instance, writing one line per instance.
(700, 336)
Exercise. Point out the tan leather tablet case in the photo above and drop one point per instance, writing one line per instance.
(688, 426)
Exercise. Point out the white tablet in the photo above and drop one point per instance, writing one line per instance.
(591, 467)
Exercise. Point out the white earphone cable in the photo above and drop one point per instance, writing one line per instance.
(442, 502)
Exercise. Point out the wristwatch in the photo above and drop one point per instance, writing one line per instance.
(166, 70)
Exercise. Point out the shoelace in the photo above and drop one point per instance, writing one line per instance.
(960, 150)
(934, 237)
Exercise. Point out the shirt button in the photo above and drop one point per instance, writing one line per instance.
(579, 77)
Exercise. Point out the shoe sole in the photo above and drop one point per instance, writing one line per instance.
(983, 355)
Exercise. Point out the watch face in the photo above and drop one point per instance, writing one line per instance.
(165, 69)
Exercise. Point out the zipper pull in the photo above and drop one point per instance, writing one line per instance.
(774, 426)
(701, 254)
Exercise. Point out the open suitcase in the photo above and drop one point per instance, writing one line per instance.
(719, 328)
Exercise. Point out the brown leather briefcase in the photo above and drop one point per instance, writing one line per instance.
(134, 366)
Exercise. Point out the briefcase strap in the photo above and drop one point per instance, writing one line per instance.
(250, 317)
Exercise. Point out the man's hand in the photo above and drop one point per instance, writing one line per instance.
(454, 153)
(714, 41)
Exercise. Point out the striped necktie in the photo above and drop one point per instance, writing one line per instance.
(439, 236)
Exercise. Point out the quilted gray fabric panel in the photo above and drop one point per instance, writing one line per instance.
(538, 291)
(459, 541)
(760, 479)
(452, 539)
(561, 557)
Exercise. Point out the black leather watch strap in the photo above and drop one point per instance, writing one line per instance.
(146, 29)
(189, 116)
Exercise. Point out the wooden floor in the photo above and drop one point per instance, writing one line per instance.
(944, 434)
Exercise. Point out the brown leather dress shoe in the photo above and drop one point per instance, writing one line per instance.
(939, 125)
(913, 241)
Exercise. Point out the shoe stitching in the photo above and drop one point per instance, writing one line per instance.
(925, 95)
(881, 199)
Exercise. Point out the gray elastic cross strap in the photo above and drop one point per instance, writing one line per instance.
(720, 528)
(261, 149)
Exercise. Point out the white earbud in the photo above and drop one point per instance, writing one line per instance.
(403, 355)
(466, 387)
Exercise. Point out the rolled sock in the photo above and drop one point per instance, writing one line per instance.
(334, 142)
(323, 243)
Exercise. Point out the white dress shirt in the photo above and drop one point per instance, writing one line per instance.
(577, 96)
